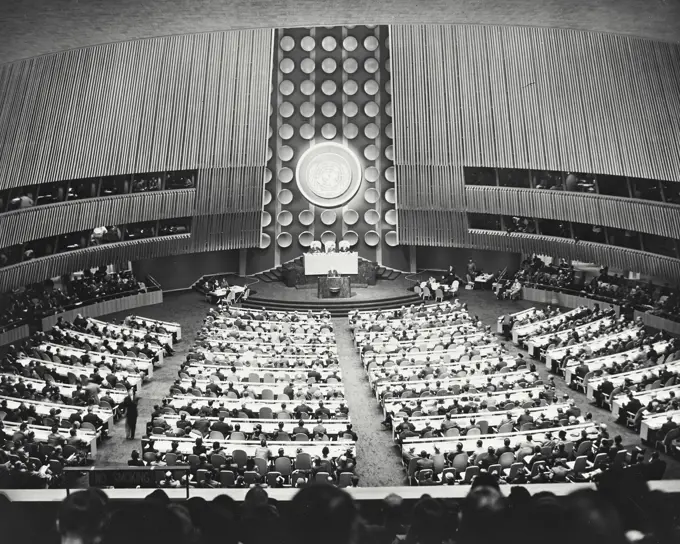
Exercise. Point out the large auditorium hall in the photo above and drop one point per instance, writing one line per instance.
(268, 268)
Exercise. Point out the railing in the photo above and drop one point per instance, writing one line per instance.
(37, 270)
(24, 225)
(632, 214)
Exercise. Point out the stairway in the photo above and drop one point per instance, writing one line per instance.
(337, 308)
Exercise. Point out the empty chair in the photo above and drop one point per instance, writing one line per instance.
(470, 473)
(251, 477)
(322, 477)
(345, 479)
(303, 461)
(515, 468)
(171, 459)
(267, 394)
(217, 461)
(266, 413)
(271, 478)
(227, 478)
(261, 465)
(240, 458)
(580, 465)
(283, 465)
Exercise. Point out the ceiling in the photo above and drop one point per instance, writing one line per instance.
(36, 27)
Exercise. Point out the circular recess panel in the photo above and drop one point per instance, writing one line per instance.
(328, 174)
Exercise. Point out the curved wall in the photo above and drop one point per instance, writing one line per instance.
(505, 97)
(165, 104)
(539, 99)
(44, 26)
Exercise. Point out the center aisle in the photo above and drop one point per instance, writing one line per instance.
(378, 460)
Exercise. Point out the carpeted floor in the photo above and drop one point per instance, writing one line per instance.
(379, 462)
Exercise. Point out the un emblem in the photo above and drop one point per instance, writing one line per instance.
(328, 175)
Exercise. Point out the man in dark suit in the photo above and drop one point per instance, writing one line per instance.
(526, 417)
(667, 426)
(93, 418)
(603, 391)
(301, 429)
(633, 406)
(655, 468)
(220, 426)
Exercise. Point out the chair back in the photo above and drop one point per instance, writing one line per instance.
(345, 479)
(475, 431)
(283, 465)
(620, 458)
(453, 431)
(216, 435)
(483, 426)
(514, 470)
(581, 464)
(600, 459)
(322, 477)
(266, 413)
(537, 468)
(251, 477)
(272, 477)
(261, 465)
(170, 459)
(240, 458)
(460, 462)
(237, 435)
(505, 428)
(267, 394)
(300, 437)
(227, 478)
(495, 469)
(583, 448)
(470, 473)
(439, 462)
(303, 461)
(506, 459)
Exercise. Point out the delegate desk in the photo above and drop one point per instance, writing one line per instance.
(448, 444)
(333, 426)
(226, 403)
(651, 423)
(313, 448)
(493, 419)
(147, 321)
(645, 397)
(393, 405)
(41, 432)
(43, 409)
(318, 264)
(257, 375)
(63, 370)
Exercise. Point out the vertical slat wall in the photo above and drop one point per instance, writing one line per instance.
(610, 211)
(38, 270)
(28, 224)
(162, 104)
(519, 97)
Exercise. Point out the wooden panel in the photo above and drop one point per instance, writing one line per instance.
(106, 307)
(659, 322)
(14, 335)
(38, 222)
(173, 103)
(565, 300)
(624, 213)
(616, 257)
(40, 269)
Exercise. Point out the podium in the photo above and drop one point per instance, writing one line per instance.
(334, 287)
